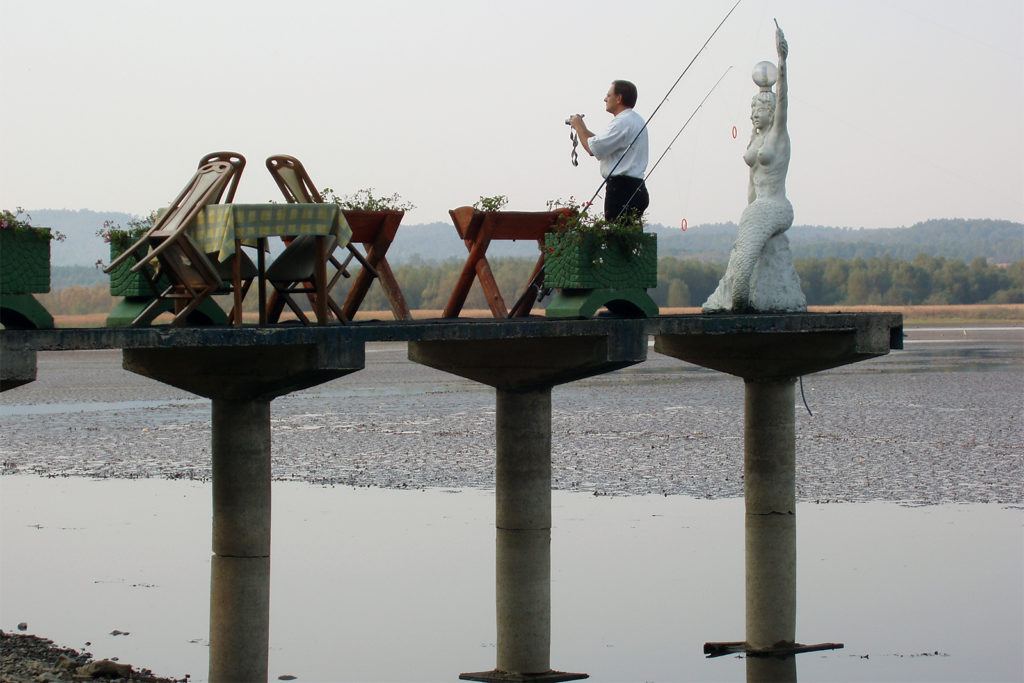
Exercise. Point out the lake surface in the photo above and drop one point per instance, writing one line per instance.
(910, 521)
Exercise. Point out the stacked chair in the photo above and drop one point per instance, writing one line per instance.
(193, 275)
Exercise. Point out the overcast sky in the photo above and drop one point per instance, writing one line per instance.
(901, 110)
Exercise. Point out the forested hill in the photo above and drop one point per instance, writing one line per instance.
(999, 241)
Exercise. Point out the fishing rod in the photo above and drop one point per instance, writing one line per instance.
(535, 287)
(604, 181)
(650, 172)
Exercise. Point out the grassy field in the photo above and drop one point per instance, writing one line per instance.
(912, 315)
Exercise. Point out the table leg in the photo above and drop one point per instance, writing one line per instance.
(376, 256)
(392, 290)
(261, 271)
(477, 250)
(320, 305)
(236, 284)
(490, 286)
(524, 306)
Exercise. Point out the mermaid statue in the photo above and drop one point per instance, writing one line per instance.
(760, 276)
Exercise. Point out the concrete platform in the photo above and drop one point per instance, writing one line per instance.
(714, 327)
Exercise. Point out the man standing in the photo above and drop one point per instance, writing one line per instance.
(622, 150)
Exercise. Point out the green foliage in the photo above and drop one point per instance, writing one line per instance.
(926, 280)
(122, 238)
(577, 220)
(13, 221)
(365, 200)
(685, 282)
(494, 203)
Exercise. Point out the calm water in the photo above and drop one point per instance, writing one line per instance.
(917, 569)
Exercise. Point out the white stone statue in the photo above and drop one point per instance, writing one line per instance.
(760, 275)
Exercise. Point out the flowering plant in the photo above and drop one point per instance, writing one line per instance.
(494, 203)
(122, 238)
(13, 221)
(365, 200)
(577, 221)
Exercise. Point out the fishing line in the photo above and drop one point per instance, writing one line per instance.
(535, 284)
(604, 181)
(632, 196)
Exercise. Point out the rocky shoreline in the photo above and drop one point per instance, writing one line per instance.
(26, 658)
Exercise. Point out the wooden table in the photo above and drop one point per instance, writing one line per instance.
(477, 230)
(222, 229)
(375, 230)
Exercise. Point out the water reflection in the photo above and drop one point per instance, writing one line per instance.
(370, 584)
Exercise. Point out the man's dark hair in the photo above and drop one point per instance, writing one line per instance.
(628, 92)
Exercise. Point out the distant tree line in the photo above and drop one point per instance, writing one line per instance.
(999, 240)
(927, 280)
(882, 280)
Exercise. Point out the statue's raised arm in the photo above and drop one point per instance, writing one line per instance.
(782, 86)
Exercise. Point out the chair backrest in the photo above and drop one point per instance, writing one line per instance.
(237, 162)
(206, 186)
(292, 179)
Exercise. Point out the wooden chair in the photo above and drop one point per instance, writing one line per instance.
(297, 187)
(192, 275)
(247, 269)
(477, 229)
(237, 162)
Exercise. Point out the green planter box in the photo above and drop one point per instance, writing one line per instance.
(24, 261)
(600, 261)
(123, 282)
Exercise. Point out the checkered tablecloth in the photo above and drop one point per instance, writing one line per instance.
(218, 226)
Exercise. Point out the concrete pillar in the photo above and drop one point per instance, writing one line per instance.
(523, 529)
(240, 572)
(523, 371)
(242, 381)
(769, 490)
(769, 351)
(769, 470)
